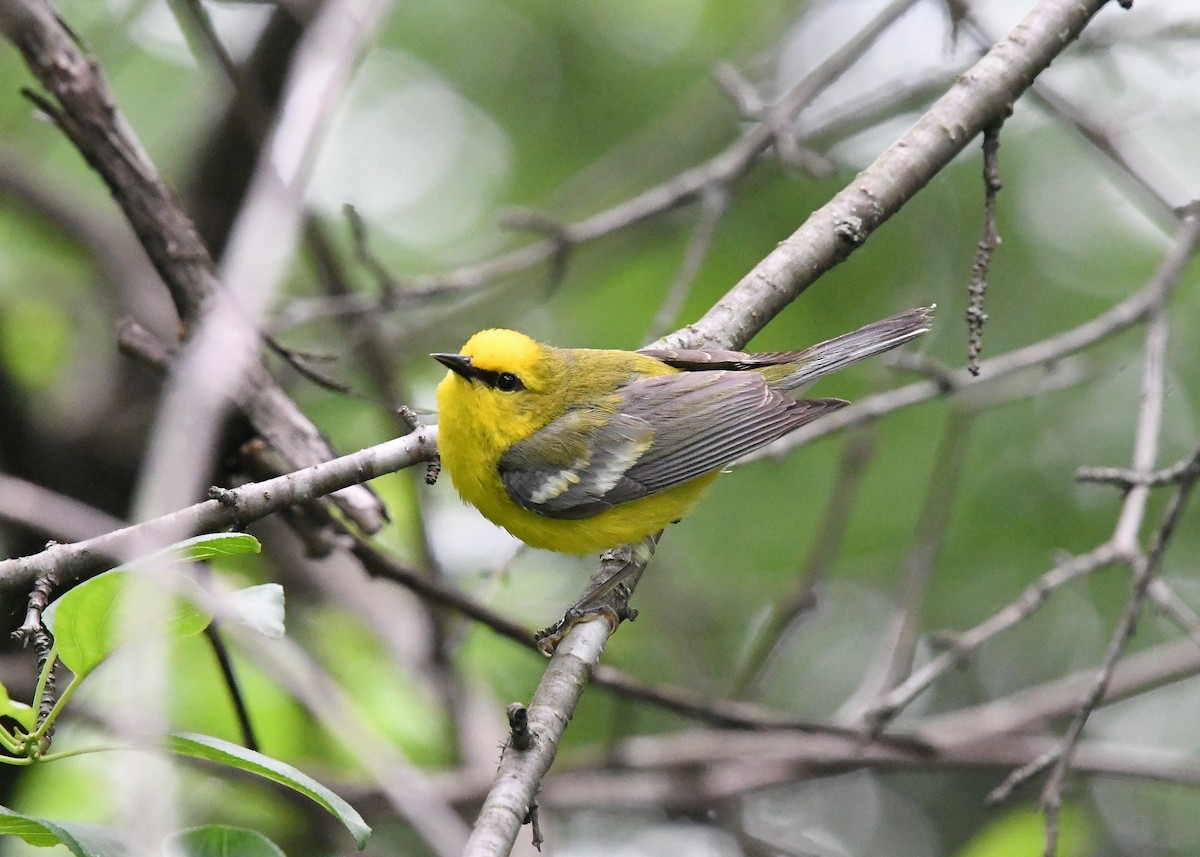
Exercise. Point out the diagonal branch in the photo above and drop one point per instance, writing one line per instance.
(1123, 316)
(979, 97)
(85, 109)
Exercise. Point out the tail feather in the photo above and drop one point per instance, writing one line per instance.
(867, 341)
(786, 370)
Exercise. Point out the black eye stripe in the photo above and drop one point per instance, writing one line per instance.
(505, 382)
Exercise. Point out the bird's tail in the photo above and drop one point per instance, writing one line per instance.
(787, 370)
(837, 353)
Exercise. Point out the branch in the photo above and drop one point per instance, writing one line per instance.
(1176, 473)
(1048, 351)
(690, 771)
(977, 288)
(1125, 539)
(979, 97)
(230, 508)
(520, 774)
(85, 109)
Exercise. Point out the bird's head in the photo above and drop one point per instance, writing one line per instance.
(504, 375)
(503, 361)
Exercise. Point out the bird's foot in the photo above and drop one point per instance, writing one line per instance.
(607, 597)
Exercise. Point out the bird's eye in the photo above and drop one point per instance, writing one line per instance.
(506, 382)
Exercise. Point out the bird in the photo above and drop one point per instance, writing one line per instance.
(581, 450)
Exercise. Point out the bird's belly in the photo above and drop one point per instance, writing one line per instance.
(622, 524)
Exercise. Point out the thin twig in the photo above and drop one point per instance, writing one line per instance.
(714, 203)
(852, 469)
(1168, 603)
(891, 703)
(35, 631)
(225, 663)
(85, 109)
(1121, 317)
(234, 507)
(981, 267)
(1125, 539)
(1178, 472)
(897, 645)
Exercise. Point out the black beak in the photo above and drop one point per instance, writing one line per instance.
(459, 363)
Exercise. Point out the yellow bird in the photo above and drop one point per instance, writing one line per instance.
(579, 450)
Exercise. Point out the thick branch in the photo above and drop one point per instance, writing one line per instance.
(85, 109)
(979, 97)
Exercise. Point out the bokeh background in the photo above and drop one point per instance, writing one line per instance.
(465, 112)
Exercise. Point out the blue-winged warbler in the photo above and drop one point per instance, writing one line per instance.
(580, 450)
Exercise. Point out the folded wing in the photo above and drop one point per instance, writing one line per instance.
(665, 430)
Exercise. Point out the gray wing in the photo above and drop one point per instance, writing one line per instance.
(666, 430)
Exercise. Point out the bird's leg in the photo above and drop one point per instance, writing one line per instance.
(608, 592)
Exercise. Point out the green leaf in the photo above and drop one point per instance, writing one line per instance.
(212, 545)
(18, 711)
(218, 840)
(224, 753)
(259, 608)
(83, 840)
(85, 620)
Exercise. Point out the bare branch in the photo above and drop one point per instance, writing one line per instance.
(978, 98)
(521, 771)
(61, 518)
(1176, 473)
(1121, 317)
(86, 111)
(976, 316)
(231, 507)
